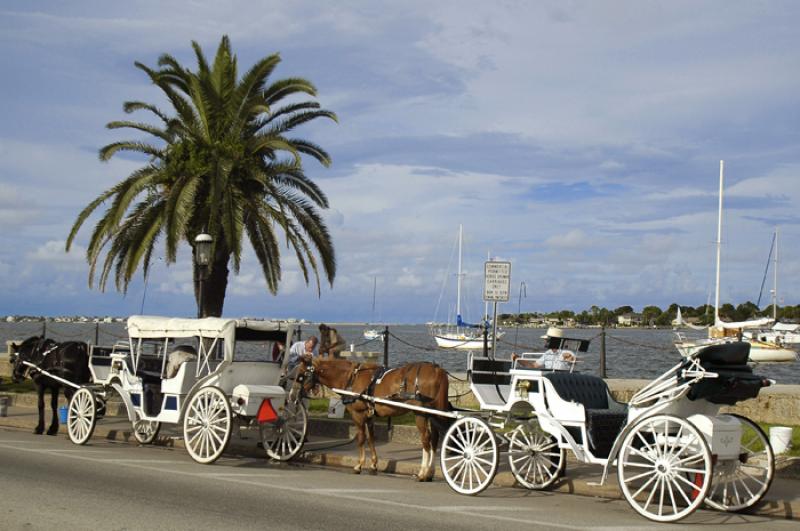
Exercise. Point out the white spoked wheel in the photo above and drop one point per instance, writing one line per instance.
(207, 425)
(664, 468)
(145, 431)
(535, 458)
(284, 438)
(469, 455)
(82, 415)
(738, 484)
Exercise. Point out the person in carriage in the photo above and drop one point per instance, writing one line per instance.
(555, 358)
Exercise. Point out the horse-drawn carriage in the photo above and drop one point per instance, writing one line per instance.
(671, 448)
(223, 377)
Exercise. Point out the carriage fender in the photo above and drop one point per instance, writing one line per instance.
(247, 398)
(126, 399)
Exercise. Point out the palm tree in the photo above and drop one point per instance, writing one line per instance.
(218, 162)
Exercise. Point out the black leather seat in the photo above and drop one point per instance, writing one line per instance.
(736, 381)
(605, 417)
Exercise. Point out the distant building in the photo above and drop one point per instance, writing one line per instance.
(629, 319)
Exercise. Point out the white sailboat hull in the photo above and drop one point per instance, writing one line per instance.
(461, 340)
(760, 352)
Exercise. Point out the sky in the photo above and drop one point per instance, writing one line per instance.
(579, 140)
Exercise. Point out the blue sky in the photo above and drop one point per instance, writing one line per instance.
(579, 140)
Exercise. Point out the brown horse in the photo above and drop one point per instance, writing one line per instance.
(422, 384)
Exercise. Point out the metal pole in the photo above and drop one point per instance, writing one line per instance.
(386, 364)
(44, 328)
(494, 330)
(200, 275)
(603, 352)
(485, 340)
(386, 347)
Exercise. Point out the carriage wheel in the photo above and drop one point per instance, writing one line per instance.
(284, 438)
(656, 458)
(145, 431)
(82, 415)
(469, 455)
(535, 458)
(738, 484)
(207, 425)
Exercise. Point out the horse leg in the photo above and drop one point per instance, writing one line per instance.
(53, 429)
(373, 469)
(358, 419)
(425, 438)
(434, 431)
(40, 403)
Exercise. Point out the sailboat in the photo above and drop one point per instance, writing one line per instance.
(373, 333)
(780, 333)
(461, 335)
(723, 331)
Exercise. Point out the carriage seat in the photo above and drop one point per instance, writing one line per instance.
(605, 417)
(490, 381)
(735, 381)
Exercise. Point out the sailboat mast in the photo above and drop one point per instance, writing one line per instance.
(458, 283)
(775, 282)
(374, 288)
(719, 240)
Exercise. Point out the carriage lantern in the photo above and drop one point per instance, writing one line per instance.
(202, 257)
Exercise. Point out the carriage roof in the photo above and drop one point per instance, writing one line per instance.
(148, 327)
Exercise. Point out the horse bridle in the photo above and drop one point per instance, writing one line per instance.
(28, 369)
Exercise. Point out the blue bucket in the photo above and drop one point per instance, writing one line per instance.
(62, 414)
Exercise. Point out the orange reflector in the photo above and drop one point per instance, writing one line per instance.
(266, 413)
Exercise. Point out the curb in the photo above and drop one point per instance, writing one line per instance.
(332, 428)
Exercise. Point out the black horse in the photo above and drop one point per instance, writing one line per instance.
(68, 360)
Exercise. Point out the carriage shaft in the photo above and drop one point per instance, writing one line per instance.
(403, 405)
(50, 375)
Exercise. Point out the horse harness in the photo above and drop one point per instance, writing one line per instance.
(43, 355)
(377, 375)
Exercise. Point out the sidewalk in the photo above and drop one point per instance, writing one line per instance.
(403, 458)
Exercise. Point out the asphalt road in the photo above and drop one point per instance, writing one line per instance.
(47, 483)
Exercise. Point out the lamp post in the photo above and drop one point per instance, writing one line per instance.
(202, 258)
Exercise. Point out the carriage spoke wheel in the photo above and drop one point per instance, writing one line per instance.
(469, 455)
(145, 431)
(738, 484)
(664, 468)
(207, 425)
(81, 415)
(534, 456)
(284, 438)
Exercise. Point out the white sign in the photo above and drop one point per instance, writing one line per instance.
(496, 281)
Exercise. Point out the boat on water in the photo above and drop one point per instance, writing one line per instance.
(722, 331)
(462, 335)
(373, 333)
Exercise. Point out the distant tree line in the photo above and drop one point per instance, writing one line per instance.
(655, 316)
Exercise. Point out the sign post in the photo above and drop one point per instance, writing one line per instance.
(496, 288)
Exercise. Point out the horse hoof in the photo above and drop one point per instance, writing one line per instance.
(38, 431)
(50, 432)
(356, 471)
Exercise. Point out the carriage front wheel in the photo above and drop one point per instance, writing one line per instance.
(534, 456)
(738, 484)
(469, 455)
(82, 415)
(664, 468)
(284, 438)
(207, 424)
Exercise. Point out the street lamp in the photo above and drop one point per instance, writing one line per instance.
(202, 258)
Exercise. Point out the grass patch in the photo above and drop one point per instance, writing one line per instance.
(25, 386)
(318, 407)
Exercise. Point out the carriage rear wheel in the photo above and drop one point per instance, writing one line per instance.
(469, 455)
(82, 415)
(284, 438)
(738, 484)
(145, 431)
(664, 468)
(207, 424)
(534, 456)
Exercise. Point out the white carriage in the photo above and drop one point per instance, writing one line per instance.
(672, 449)
(230, 379)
